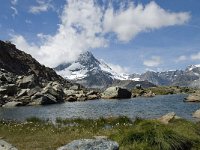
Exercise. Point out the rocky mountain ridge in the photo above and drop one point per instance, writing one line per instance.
(94, 73)
(189, 77)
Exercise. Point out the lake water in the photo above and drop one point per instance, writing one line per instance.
(136, 107)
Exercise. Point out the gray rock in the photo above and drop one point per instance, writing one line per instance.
(27, 81)
(195, 97)
(12, 104)
(70, 92)
(149, 94)
(196, 114)
(23, 92)
(116, 93)
(55, 85)
(168, 117)
(40, 99)
(75, 87)
(82, 99)
(92, 97)
(6, 146)
(91, 144)
(55, 89)
(34, 90)
(57, 94)
(71, 99)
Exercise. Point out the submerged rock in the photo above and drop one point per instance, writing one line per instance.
(91, 144)
(116, 93)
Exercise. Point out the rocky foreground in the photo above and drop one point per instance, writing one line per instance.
(24, 81)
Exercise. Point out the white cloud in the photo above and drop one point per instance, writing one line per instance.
(15, 12)
(14, 2)
(181, 58)
(43, 5)
(153, 62)
(195, 56)
(28, 21)
(23, 45)
(127, 23)
(118, 69)
(84, 25)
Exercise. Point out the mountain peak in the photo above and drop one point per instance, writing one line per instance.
(90, 68)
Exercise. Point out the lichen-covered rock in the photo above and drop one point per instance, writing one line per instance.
(91, 144)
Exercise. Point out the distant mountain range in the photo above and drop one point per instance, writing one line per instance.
(94, 73)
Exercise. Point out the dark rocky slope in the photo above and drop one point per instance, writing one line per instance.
(24, 81)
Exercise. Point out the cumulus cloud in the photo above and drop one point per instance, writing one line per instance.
(153, 62)
(181, 58)
(195, 56)
(42, 6)
(15, 12)
(118, 69)
(85, 24)
(28, 21)
(127, 23)
(14, 2)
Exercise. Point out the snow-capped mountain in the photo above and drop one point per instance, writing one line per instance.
(188, 77)
(89, 71)
(94, 73)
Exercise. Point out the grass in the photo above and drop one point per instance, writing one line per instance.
(131, 135)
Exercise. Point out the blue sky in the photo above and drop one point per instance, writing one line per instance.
(131, 36)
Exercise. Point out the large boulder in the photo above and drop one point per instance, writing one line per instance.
(116, 93)
(55, 89)
(195, 97)
(40, 99)
(6, 146)
(91, 144)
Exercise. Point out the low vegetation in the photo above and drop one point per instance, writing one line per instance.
(131, 135)
(163, 90)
